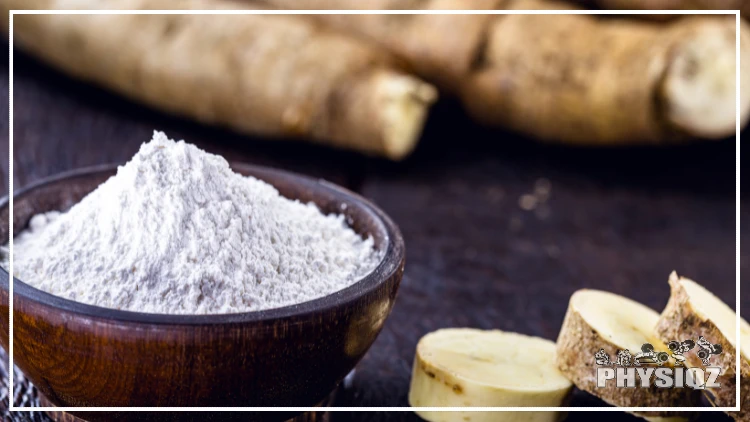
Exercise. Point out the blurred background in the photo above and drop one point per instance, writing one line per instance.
(532, 159)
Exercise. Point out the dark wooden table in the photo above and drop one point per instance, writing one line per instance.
(616, 219)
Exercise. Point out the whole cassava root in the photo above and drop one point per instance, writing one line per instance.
(276, 76)
(568, 78)
(584, 80)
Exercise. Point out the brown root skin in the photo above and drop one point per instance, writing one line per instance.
(440, 48)
(680, 320)
(269, 75)
(580, 80)
(576, 345)
(543, 76)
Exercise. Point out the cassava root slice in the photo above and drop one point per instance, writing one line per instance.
(270, 75)
(460, 367)
(693, 311)
(598, 320)
(573, 79)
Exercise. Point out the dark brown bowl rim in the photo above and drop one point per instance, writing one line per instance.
(388, 266)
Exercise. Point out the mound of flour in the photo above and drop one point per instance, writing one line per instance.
(177, 232)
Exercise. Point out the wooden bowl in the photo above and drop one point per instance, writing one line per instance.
(83, 355)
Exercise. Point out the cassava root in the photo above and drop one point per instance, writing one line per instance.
(573, 79)
(601, 321)
(275, 76)
(459, 367)
(693, 312)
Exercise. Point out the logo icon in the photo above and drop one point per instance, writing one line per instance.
(707, 349)
(647, 366)
(602, 358)
(624, 358)
(649, 355)
(679, 349)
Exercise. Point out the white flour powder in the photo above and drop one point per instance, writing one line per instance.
(177, 232)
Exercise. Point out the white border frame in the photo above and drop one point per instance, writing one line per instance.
(12, 13)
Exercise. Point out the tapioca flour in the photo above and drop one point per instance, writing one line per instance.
(176, 231)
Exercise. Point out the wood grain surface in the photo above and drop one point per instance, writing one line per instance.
(499, 230)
